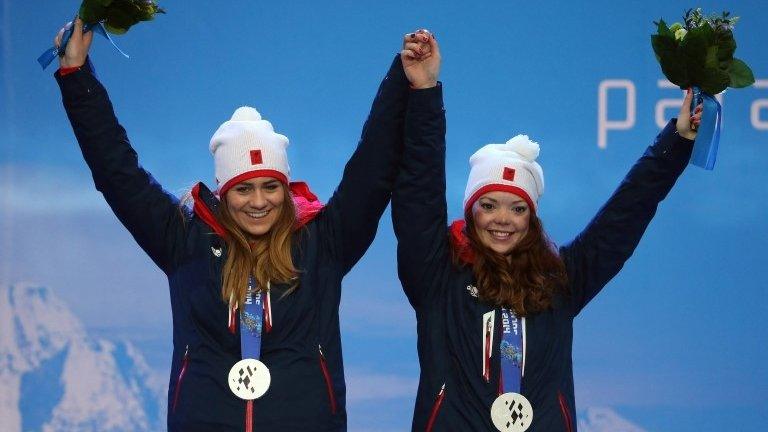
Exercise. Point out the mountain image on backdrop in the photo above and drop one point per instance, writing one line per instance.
(55, 377)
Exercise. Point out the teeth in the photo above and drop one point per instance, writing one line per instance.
(258, 214)
(500, 234)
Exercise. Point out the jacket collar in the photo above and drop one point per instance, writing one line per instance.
(460, 241)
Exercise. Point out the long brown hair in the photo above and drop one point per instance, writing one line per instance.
(268, 258)
(526, 279)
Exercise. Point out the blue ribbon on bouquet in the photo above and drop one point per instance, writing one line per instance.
(708, 134)
(47, 57)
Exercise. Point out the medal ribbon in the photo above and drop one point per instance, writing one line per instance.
(511, 352)
(252, 321)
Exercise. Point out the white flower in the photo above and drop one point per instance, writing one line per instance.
(680, 34)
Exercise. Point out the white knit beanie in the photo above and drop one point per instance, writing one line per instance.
(246, 146)
(509, 167)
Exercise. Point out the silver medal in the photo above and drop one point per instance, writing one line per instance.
(249, 379)
(511, 412)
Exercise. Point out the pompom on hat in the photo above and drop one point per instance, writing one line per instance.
(246, 146)
(509, 167)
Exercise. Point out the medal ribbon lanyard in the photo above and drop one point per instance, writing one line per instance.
(267, 318)
(511, 352)
(510, 411)
(251, 322)
(255, 315)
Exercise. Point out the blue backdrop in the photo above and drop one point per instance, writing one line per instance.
(676, 342)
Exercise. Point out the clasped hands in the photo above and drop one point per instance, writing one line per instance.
(421, 59)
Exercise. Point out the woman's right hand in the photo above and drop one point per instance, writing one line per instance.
(421, 59)
(77, 47)
(687, 123)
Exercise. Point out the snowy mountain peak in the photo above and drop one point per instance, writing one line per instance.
(55, 377)
(34, 324)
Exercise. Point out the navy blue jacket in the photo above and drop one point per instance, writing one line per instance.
(303, 349)
(449, 316)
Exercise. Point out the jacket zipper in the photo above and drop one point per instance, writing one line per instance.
(435, 408)
(564, 411)
(182, 372)
(327, 377)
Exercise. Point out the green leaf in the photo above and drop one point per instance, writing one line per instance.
(693, 53)
(663, 30)
(92, 11)
(114, 30)
(714, 80)
(147, 11)
(740, 74)
(712, 60)
(672, 65)
(663, 45)
(708, 33)
(120, 19)
(726, 46)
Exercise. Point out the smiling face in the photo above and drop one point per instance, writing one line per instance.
(255, 204)
(501, 220)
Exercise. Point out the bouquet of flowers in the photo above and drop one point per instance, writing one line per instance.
(102, 16)
(698, 54)
(118, 15)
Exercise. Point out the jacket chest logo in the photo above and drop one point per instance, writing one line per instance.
(472, 290)
(216, 252)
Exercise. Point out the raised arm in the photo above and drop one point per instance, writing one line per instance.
(353, 212)
(597, 254)
(150, 214)
(419, 213)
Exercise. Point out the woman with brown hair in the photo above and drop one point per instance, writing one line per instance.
(255, 268)
(494, 299)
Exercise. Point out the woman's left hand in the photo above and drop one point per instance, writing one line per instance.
(421, 59)
(688, 124)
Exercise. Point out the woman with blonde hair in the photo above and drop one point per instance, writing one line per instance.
(494, 300)
(254, 268)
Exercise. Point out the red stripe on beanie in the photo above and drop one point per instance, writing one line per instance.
(501, 188)
(249, 175)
